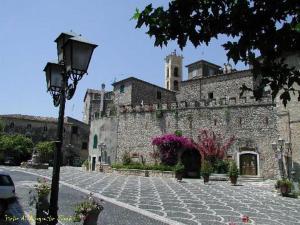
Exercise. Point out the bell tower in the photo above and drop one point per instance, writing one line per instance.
(173, 71)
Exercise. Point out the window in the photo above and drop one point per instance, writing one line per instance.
(215, 122)
(210, 95)
(11, 125)
(266, 121)
(176, 72)
(74, 130)
(96, 115)
(45, 128)
(167, 72)
(122, 88)
(176, 87)
(240, 121)
(28, 126)
(95, 143)
(5, 180)
(84, 145)
(158, 95)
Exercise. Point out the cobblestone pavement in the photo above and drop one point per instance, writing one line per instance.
(189, 202)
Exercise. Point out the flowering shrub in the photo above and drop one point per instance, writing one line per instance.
(169, 144)
(83, 209)
(41, 190)
(211, 146)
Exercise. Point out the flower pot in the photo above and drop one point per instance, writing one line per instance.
(233, 180)
(284, 189)
(205, 178)
(179, 175)
(92, 217)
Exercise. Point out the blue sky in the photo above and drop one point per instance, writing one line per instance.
(29, 28)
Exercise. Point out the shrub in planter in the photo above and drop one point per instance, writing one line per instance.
(88, 211)
(233, 172)
(179, 169)
(206, 170)
(285, 186)
(221, 166)
(126, 159)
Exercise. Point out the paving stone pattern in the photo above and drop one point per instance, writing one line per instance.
(190, 202)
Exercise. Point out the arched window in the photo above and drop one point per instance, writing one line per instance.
(176, 87)
(95, 143)
(176, 72)
(167, 72)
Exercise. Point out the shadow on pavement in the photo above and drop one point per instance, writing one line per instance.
(15, 215)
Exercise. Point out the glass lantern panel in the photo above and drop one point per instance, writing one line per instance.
(81, 56)
(56, 77)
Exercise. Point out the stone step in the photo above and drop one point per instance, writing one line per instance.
(246, 178)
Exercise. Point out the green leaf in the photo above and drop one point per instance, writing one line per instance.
(136, 15)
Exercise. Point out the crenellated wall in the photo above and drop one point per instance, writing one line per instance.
(253, 123)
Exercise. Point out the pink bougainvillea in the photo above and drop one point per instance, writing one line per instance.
(169, 144)
(213, 146)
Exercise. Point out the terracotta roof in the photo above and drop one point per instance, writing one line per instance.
(145, 82)
(203, 62)
(32, 118)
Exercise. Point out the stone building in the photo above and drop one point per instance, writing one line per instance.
(209, 98)
(76, 133)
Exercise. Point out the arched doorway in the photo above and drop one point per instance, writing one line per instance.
(248, 163)
(191, 160)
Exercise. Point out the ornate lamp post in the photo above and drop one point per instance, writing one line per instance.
(74, 55)
(282, 148)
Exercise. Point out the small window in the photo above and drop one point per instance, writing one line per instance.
(167, 72)
(95, 143)
(158, 95)
(11, 125)
(210, 95)
(45, 128)
(74, 130)
(28, 126)
(176, 86)
(266, 121)
(240, 121)
(215, 122)
(96, 115)
(122, 88)
(84, 145)
(176, 72)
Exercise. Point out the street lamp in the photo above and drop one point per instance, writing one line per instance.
(282, 147)
(74, 55)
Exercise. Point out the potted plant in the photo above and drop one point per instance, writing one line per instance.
(233, 172)
(285, 186)
(88, 211)
(179, 169)
(206, 170)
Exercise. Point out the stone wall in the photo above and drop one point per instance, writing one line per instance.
(246, 121)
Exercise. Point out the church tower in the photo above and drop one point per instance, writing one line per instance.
(173, 71)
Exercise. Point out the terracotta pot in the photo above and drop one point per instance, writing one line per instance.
(178, 175)
(284, 189)
(92, 217)
(233, 180)
(205, 178)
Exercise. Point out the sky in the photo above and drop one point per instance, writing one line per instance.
(29, 28)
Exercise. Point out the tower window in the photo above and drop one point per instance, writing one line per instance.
(96, 115)
(176, 87)
(122, 88)
(210, 95)
(167, 72)
(158, 95)
(29, 126)
(176, 72)
(45, 128)
(12, 125)
(84, 145)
